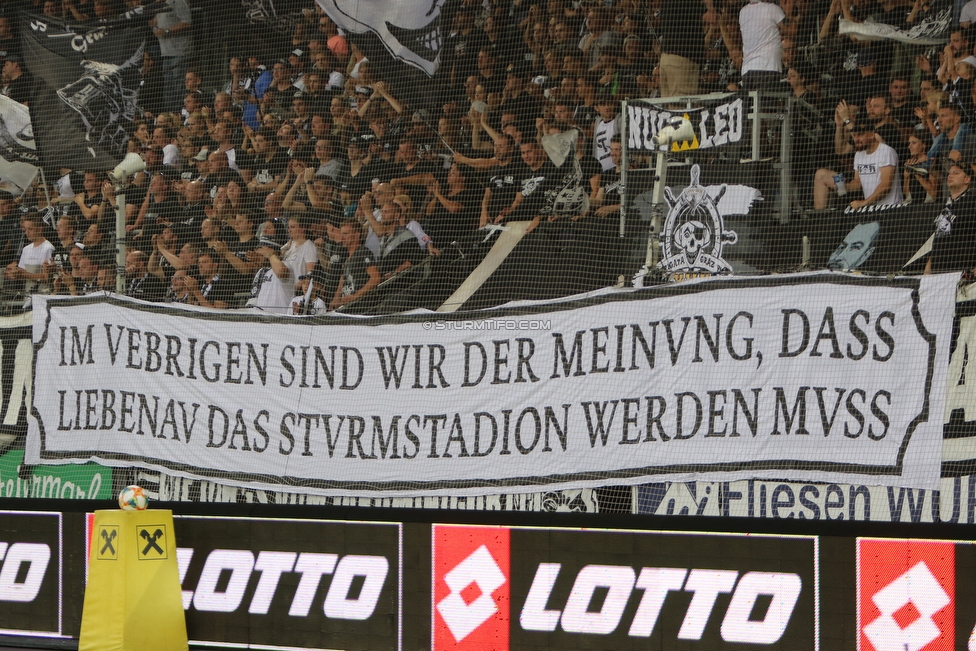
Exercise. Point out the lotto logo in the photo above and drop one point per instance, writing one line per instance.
(31, 573)
(906, 595)
(471, 588)
(474, 589)
(24, 561)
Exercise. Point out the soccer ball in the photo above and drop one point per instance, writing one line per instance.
(133, 498)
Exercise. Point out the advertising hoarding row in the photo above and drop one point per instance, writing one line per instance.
(328, 584)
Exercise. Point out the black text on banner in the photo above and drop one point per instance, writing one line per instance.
(798, 378)
(715, 126)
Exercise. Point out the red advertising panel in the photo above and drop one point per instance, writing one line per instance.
(471, 588)
(533, 588)
(906, 595)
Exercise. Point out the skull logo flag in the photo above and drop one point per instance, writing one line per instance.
(85, 86)
(411, 31)
(694, 232)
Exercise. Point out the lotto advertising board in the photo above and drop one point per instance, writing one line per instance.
(915, 594)
(31, 573)
(296, 584)
(522, 588)
(274, 583)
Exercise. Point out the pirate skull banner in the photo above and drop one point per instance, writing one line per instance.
(86, 81)
(694, 231)
(411, 31)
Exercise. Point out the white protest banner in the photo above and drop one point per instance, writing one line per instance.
(818, 377)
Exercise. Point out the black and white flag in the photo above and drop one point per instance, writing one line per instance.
(18, 157)
(281, 17)
(86, 82)
(932, 29)
(411, 31)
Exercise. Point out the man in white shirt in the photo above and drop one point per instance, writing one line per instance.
(35, 259)
(605, 127)
(958, 49)
(273, 286)
(762, 52)
(875, 167)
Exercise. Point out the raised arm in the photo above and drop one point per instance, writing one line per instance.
(383, 89)
(289, 203)
(494, 135)
(842, 120)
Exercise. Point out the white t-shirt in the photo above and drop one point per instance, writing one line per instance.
(31, 259)
(270, 293)
(968, 14)
(337, 81)
(297, 258)
(36, 256)
(868, 167)
(761, 45)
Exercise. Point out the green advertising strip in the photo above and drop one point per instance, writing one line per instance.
(71, 481)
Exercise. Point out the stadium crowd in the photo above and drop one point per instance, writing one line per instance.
(306, 176)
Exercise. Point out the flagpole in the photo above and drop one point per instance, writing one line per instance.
(623, 166)
(131, 164)
(47, 195)
(120, 251)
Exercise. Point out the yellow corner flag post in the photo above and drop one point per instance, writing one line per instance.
(133, 600)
